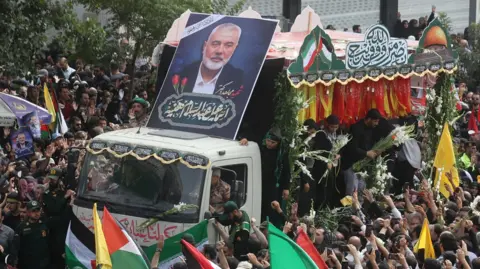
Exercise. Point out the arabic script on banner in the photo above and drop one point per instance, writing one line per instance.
(197, 110)
(146, 236)
(377, 50)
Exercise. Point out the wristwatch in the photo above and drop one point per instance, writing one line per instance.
(158, 250)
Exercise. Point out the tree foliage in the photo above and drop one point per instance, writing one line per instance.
(24, 27)
(142, 24)
(87, 39)
(470, 60)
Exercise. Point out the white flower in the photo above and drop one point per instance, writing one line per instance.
(292, 145)
(363, 174)
(304, 169)
(438, 133)
(474, 206)
(179, 206)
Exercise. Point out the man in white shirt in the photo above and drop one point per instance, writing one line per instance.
(213, 74)
(66, 69)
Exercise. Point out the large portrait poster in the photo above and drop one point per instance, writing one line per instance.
(22, 143)
(212, 75)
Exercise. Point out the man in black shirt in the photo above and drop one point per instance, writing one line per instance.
(364, 136)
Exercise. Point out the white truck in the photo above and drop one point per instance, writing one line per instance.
(140, 174)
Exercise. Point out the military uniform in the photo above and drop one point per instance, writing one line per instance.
(134, 123)
(56, 208)
(12, 219)
(219, 194)
(54, 201)
(239, 229)
(32, 240)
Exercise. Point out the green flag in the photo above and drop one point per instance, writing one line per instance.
(285, 253)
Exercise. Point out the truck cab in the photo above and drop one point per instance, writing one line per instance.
(139, 174)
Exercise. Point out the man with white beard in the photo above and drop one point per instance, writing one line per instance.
(213, 74)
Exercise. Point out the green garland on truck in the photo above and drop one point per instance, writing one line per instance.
(288, 103)
(441, 108)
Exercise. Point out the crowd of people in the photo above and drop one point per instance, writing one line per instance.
(38, 190)
(380, 231)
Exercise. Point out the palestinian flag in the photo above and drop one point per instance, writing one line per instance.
(325, 51)
(172, 251)
(195, 259)
(79, 246)
(124, 253)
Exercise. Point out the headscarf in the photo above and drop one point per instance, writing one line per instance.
(276, 135)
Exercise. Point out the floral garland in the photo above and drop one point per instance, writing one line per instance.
(181, 207)
(288, 103)
(441, 108)
(376, 176)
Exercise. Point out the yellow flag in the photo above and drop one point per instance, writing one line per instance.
(445, 160)
(49, 105)
(101, 249)
(425, 242)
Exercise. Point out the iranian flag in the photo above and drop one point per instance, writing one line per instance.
(124, 253)
(79, 246)
(310, 53)
(313, 49)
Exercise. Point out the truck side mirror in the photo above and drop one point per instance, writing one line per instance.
(207, 215)
(238, 189)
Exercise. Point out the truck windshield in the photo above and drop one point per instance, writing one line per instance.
(146, 187)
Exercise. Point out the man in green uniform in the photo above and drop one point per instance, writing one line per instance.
(239, 222)
(55, 206)
(31, 238)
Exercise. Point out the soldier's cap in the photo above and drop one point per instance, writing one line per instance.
(140, 101)
(55, 173)
(188, 238)
(13, 197)
(33, 205)
(229, 207)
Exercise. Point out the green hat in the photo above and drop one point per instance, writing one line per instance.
(55, 173)
(33, 205)
(229, 207)
(140, 101)
(188, 238)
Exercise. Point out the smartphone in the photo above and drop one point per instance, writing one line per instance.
(344, 248)
(329, 251)
(368, 231)
(369, 249)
